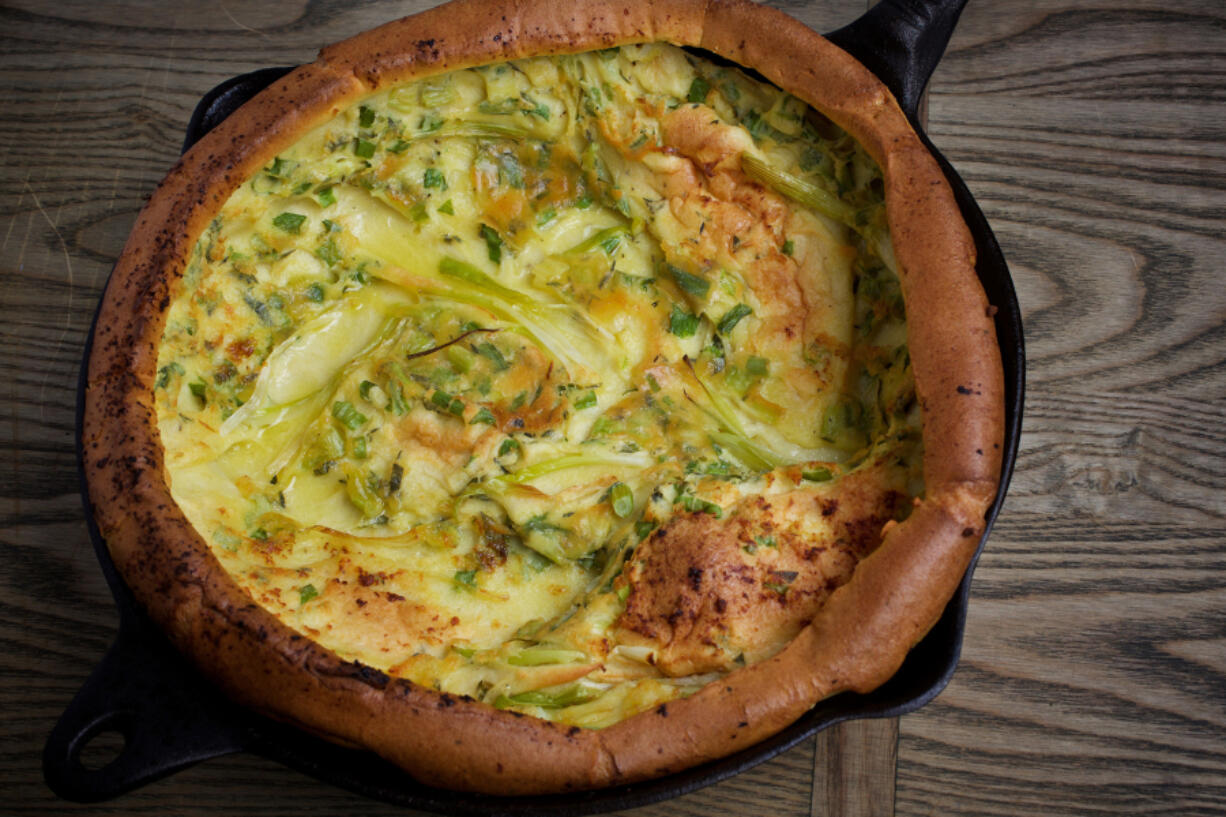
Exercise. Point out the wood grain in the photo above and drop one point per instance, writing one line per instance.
(1092, 132)
(855, 769)
(1094, 674)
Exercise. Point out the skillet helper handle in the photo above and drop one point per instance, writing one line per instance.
(145, 693)
(901, 41)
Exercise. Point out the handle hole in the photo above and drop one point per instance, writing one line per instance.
(102, 749)
(102, 743)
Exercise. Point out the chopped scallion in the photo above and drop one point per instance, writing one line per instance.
(348, 416)
(622, 499)
(797, 189)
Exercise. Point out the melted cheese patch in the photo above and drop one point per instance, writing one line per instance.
(460, 385)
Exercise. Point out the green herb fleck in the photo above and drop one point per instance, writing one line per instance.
(448, 403)
(363, 148)
(466, 578)
(447, 208)
(289, 222)
(165, 372)
(682, 323)
(689, 282)
(699, 89)
(493, 242)
(732, 317)
(817, 475)
(433, 177)
(366, 116)
(586, 401)
(490, 352)
(328, 252)
(484, 415)
(306, 593)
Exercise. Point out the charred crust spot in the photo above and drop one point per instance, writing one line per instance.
(964, 390)
(742, 724)
(968, 532)
(355, 670)
(829, 507)
(720, 605)
(662, 710)
(694, 574)
(573, 731)
(446, 701)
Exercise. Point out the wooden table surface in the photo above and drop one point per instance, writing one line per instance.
(1093, 133)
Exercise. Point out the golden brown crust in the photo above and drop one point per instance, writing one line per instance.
(861, 634)
(706, 593)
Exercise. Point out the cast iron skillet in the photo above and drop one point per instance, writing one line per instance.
(170, 719)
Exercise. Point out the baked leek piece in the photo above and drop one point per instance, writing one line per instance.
(568, 384)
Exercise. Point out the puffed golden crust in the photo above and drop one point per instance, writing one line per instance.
(861, 634)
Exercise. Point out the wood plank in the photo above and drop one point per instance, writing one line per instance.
(855, 769)
(1092, 679)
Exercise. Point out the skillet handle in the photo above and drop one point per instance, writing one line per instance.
(901, 41)
(144, 692)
